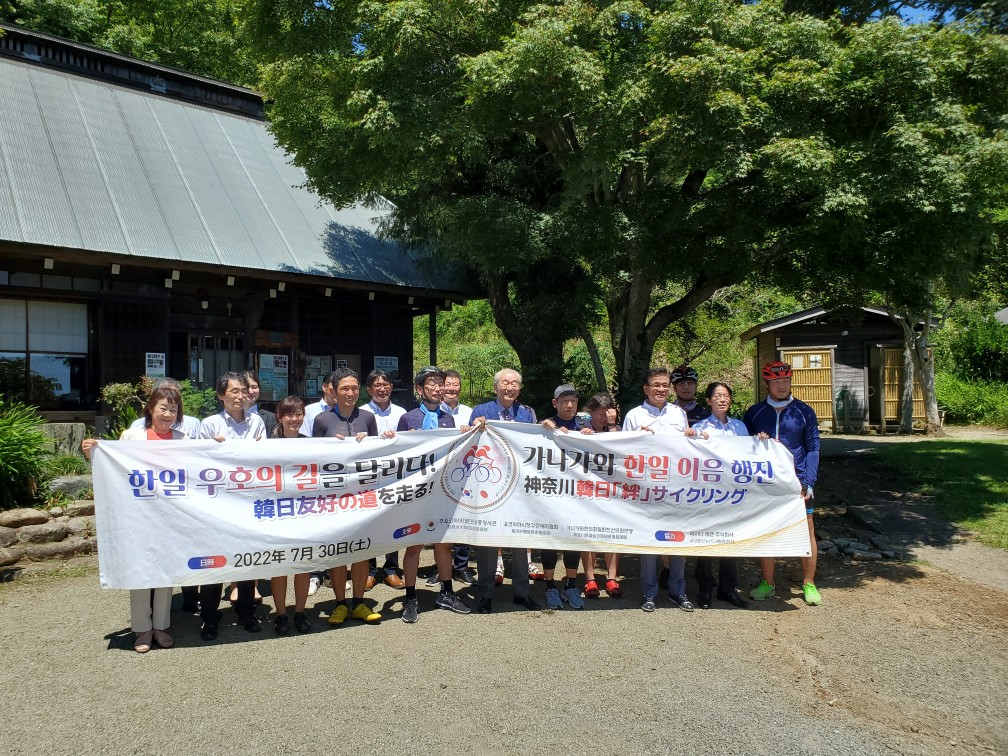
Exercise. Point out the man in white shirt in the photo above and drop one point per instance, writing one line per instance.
(658, 416)
(326, 404)
(232, 422)
(450, 399)
(387, 415)
(460, 413)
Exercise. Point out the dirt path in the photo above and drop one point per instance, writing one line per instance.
(901, 658)
(859, 498)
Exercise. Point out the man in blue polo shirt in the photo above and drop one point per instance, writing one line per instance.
(507, 386)
(793, 423)
(430, 415)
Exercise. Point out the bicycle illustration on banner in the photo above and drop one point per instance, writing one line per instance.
(481, 471)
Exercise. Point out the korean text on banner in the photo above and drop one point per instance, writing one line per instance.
(186, 513)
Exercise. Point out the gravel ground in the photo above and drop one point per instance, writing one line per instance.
(899, 659)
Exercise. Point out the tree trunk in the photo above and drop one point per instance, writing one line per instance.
(541, 359)
(918, 361)
(907, 376)
(628, 304)
(924, 363)
(634, 335)
(600, 378)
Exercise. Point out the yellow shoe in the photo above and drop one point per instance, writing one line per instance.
(339, 615)
(363, 613)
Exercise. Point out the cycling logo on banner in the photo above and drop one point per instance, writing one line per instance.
(481, 471)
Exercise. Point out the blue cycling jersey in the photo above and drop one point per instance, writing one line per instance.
(795, 426)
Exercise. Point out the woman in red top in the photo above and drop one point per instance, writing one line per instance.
(150, 619)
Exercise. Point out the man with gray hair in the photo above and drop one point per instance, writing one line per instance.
(507, 386)
(232, 422)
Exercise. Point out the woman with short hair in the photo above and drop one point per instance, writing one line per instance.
(149, 618)
(717, 423)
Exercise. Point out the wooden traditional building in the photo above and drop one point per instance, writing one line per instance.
(847, 364)
(149, 224)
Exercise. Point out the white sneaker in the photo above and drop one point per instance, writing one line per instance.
(313, 585)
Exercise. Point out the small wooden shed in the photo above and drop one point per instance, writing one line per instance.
(847, 364)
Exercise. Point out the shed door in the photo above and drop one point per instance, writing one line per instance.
(812, 379)
(892, 377)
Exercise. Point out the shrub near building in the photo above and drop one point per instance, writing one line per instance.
(23, 453)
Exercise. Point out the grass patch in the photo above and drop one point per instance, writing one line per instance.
(64, 464)
(967, 480)
(12, 577)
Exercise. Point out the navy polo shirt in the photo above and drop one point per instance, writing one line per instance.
(413, 420)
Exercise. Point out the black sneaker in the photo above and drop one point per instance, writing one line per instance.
(250, 622)
(452, 603)
(281, 625)
(210, 627)
(301, 622)
(648, 605)
(433, 579)
(410, 611)
(682, 601)
(465, 575)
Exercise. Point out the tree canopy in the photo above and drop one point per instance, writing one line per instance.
(573, 150)
(200, 36)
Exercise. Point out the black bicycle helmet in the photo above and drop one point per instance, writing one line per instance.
(684, 373)
(428, 372)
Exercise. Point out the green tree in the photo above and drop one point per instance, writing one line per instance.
(605, 149)
(200, 36)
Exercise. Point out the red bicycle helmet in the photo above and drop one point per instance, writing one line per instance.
(776, 369)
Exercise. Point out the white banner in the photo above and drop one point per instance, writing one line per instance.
(192, 512)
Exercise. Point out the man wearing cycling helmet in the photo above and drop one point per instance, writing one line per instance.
(684, 383)
(793, 423)
(430, 415)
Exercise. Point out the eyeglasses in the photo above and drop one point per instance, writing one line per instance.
(660, 385)
(509, 383)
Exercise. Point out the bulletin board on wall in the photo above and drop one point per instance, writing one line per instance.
(274, 377)
(317, 367)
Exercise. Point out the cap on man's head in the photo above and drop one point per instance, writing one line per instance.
(684, 373)
(776, 369)
(565, 390)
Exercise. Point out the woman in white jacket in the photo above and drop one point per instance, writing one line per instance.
(151, 618)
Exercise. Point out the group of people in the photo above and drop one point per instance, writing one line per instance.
(337, 415)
